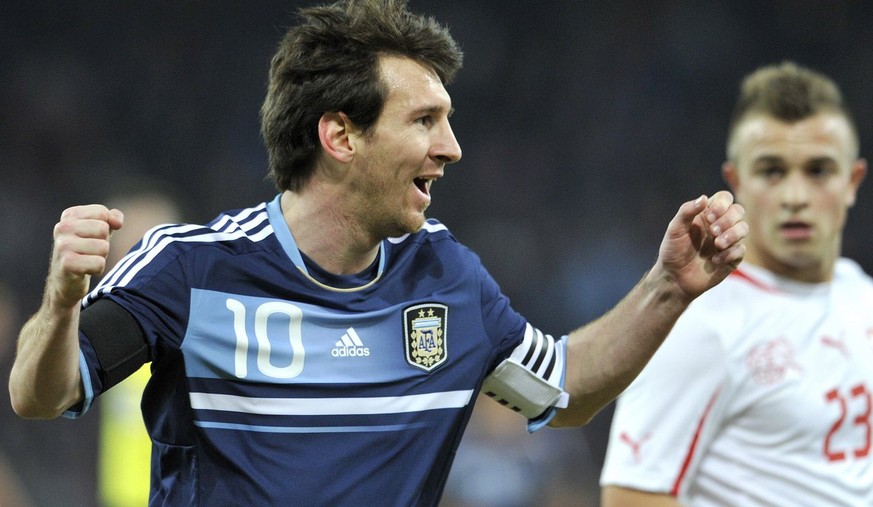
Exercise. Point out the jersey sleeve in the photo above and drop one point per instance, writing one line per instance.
(528, 376)
(665, 418)
(90, 379)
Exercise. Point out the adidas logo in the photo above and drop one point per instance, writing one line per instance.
(350, 345)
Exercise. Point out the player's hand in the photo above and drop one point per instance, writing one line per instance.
(704, 243)
(81, 245)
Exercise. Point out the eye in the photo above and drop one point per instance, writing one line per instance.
(770, 172)
(426, 120)
(819, 171)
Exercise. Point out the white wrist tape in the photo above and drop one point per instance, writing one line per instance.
(515, 386)
(529, 380)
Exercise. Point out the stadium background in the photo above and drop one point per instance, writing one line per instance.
(584, 125)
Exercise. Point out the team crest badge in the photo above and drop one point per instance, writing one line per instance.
(424, 328)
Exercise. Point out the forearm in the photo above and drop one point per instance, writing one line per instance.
(702, 245)
(605, 356)
(45, 378)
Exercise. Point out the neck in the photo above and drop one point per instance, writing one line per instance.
(332, 239)
(806, 270)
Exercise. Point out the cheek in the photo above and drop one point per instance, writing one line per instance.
(758, 204)
(761, 210)
(847, 198)
(832, 202)
(838, 213)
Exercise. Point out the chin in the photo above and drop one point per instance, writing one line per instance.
(413, 228)
(415, 222)
(803, 262)
(400, 228)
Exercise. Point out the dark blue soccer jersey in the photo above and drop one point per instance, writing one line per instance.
(270, 387)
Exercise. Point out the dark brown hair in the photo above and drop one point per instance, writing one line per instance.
(329, 62)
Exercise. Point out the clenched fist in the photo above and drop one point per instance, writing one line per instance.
(81, 245)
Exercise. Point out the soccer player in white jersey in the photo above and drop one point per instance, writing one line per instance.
(324, 347)
(761, 394)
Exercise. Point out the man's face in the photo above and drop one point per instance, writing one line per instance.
(796, 182)
(406, 150)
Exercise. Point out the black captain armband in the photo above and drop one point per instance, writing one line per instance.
(117, 338)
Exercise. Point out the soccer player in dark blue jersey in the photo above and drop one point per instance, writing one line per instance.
(324, 347)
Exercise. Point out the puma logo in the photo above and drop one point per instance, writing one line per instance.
(634, 445)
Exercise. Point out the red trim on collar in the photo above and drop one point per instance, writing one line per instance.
(754, 281)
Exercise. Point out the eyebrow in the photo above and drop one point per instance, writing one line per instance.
(769, 159)
(821, 160)
(433, 110)
(777, 159)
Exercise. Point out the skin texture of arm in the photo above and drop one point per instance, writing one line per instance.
(615, 496)
(45, 378)
(702, 245)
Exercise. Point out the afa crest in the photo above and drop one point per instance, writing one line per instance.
(424, 329)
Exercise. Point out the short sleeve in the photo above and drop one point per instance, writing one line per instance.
(664, 419)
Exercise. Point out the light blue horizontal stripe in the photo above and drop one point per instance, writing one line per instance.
(331, 406)
(307, 429)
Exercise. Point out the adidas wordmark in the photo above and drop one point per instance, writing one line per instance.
(350, 345)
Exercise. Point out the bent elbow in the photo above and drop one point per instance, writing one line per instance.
(32, 411)
(28, 405)
(28, 409)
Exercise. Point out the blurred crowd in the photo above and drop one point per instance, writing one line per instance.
(584, 125)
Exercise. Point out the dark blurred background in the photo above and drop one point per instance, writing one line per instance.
(584, 125)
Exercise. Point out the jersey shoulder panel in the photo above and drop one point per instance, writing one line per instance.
(849, 273)
(230, 233)
(434, 238)
(665, 416)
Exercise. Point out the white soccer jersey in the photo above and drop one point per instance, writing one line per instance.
(761, 395)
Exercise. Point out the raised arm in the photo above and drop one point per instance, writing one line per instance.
(45, 377)
(702, 245)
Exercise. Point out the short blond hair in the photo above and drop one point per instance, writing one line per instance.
(787, 92)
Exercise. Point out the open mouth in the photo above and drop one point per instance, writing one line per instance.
(423, 185)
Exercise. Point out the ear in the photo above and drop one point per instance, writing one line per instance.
(859, 171)
(730, 176)
(335, 134)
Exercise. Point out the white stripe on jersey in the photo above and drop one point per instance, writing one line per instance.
(331, 406)
(429, 227)
(530, 380)
(308, 429)
(148, 241)
(538, 347)
(155, 240)
(241, 220)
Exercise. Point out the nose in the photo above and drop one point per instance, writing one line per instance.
(446, 148)
(795, 192)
